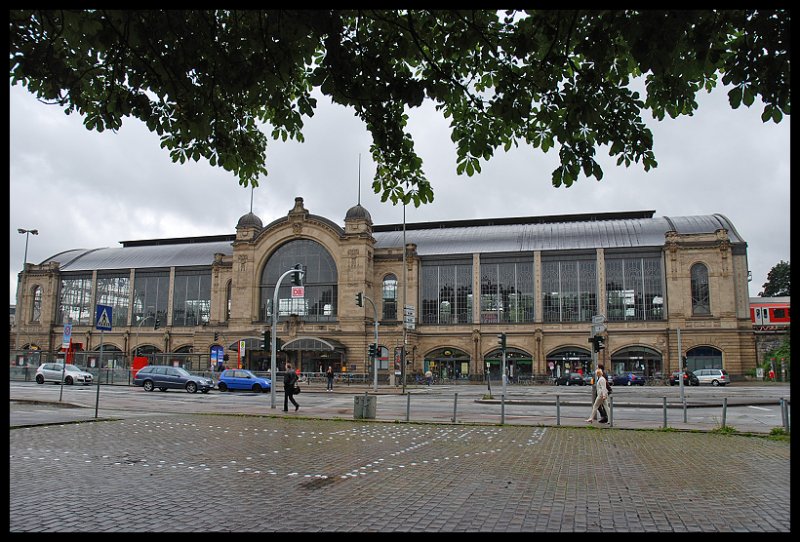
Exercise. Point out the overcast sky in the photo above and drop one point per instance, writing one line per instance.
(85, 189)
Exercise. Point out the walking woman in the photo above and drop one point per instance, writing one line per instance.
(602, 396)
(289, 380)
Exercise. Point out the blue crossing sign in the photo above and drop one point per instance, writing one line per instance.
(103, 319)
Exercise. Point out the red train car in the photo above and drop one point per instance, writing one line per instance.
(770, 311)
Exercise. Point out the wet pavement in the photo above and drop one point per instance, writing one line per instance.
(308, 471)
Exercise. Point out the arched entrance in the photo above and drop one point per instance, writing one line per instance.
(314, 354)
(703, 357)
(447, 364)
(641, 359)
(519, 364)
(569, 359)
(112, 357)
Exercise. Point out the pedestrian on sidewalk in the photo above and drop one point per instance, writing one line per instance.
(602, 395)
(289, 382)
(602, 408)
(329, 375)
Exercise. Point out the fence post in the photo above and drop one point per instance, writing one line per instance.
(784, 421)
(724, 410)
(558, 410)
(610, 411)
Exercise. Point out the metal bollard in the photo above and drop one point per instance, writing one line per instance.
(455, 404)
(665, 412)
(502, 408)
(408, 407)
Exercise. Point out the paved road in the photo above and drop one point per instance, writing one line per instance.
(168, 468)
(755, 409)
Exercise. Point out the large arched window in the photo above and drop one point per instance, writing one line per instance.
(36, 309)
(390, 297)
(320, 282)
(700, 297)
(228, 302)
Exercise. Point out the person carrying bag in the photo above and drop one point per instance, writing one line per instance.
(290, 388)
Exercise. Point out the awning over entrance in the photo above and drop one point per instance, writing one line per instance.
(313, 344)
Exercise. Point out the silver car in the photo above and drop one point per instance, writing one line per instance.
(51, 372)
(715, 377)
(165, 377)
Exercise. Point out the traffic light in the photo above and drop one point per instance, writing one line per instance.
(267, 340)
(216, 336)
(278, 343)
(599, 342)
(360, 299)
(501, 340)
(157, 324)
(373, 350)
(297, 275)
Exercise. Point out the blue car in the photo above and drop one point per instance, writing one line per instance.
(629, 379)
(242, 379)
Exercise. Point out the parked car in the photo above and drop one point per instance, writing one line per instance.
(689, 378)
(51, 372)
(570, 379)
(631, 378)
(165, 377)
(242, 379)
(715, 377)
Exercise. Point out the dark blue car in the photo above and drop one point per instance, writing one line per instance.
(628, 379)
(242, 379)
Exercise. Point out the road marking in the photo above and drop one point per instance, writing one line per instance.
(759, 408)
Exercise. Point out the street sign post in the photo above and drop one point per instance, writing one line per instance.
(102, 321)
(67, 336)
(409, 317)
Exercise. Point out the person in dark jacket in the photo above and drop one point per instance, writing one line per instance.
(329, 374)
(289, 380)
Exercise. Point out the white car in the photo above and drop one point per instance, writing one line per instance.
(51, 372)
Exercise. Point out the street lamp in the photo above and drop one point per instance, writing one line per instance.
(20, 291)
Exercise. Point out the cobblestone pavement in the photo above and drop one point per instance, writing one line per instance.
(220, 473)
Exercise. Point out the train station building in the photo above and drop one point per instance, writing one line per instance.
(654, 288)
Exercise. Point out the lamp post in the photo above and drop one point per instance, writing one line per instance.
(20, 291)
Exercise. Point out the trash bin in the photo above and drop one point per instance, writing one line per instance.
(364, 407)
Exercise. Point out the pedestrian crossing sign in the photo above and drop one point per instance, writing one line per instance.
(103, 320)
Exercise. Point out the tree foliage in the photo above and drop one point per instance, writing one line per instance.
(779, 281)
(209, 81)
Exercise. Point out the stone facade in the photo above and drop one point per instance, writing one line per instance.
(361, 267)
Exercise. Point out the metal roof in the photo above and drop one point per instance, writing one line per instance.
(140, 257)
(431, 239)
(623, 233)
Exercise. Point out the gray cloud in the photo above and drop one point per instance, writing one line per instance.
(84, 189)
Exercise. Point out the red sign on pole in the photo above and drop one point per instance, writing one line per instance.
(298, 292)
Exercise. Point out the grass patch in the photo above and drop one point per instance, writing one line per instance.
(724, 430)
